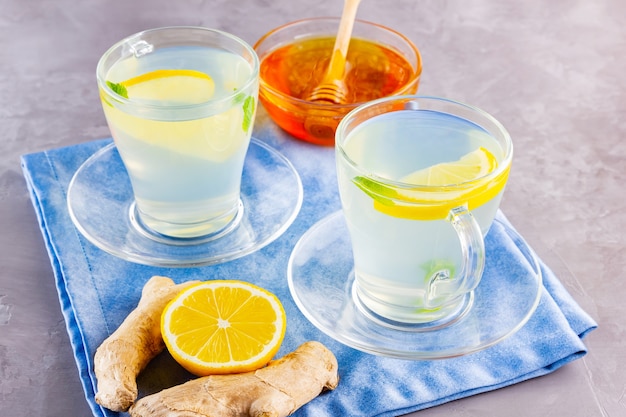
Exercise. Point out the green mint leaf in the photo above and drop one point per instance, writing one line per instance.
(441, 268)
(379, 192)
(239, 97)
(248, 113)
(119, 89)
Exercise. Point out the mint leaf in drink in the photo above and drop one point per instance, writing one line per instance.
(379, 192)
(439, 268)
(119, 89)
(248, 113)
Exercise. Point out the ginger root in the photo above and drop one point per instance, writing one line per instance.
(276, 390)
(120, 358)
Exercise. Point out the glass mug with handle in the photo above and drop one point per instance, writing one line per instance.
(180, 103)
(420, 180)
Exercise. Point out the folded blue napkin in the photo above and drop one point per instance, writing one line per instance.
(97, 290)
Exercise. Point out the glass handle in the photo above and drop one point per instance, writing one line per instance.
(473, 254)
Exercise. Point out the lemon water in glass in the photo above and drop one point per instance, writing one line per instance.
(420, 181)
(180, 104)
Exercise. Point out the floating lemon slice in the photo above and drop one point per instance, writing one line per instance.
(215, 138)
(172, 86)
(436, 203)
(219, 327)
(473, 165)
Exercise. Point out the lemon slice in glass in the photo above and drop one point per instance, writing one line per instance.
(171, 86)
(475, 164)
(216, 137)
(435, 203)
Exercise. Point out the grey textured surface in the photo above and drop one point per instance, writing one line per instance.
(552, 72)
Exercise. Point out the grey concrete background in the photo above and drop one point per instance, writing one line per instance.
(551, 71)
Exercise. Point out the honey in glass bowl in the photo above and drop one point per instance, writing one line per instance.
(294, 58)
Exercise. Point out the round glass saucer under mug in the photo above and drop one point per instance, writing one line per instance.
(101, 205)
(321, 276)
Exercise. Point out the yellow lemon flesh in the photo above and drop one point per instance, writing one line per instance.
(472, 165)
(171, 86)
(450, 184)
(223, 327)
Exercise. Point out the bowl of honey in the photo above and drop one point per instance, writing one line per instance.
(294, 58)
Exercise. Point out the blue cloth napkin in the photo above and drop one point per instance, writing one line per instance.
(97, 290)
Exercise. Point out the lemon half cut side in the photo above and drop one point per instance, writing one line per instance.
(223, 327)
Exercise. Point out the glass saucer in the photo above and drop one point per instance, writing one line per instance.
(320, 276)
(101, 205)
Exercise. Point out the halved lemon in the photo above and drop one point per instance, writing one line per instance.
(436, 203)
(223, 327)
(182, 86)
